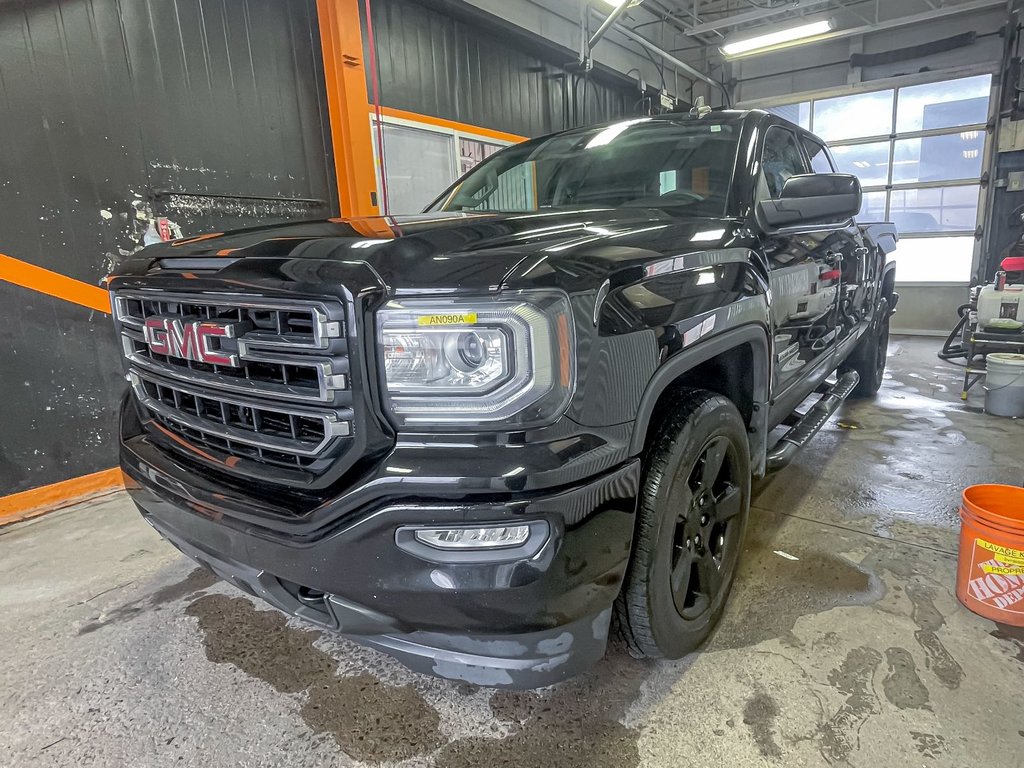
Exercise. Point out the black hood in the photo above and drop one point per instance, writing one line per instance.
(463, 251)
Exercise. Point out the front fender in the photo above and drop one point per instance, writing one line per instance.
(753, 335)
(642, 318)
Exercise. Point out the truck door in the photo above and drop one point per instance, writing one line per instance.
(806, 269)
(861, 283)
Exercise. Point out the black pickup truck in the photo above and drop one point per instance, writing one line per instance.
(471, 437)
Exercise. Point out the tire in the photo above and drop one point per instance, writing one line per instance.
(868, 360)
(689, 528)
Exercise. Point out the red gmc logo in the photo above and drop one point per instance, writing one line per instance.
(189, 339)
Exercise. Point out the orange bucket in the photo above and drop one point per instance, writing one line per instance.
(990, 570)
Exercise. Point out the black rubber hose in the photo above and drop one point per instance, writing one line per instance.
(951, 350)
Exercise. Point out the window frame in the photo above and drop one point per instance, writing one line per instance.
(806, 137)
(797, 142)
(455, 134)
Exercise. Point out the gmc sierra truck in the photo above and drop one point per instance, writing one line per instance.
(473, 437)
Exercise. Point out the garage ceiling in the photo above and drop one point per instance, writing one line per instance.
(710, 22)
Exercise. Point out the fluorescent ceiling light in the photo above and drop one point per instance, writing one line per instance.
(781, 37)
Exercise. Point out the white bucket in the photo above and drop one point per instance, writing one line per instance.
(1004, 384)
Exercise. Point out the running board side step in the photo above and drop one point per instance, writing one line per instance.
(811, 423)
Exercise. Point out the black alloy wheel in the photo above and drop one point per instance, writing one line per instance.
(705, 531)
(691, 514)
(869, 360)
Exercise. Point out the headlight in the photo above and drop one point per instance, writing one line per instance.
(490, 361)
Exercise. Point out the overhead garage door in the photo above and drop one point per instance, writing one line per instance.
(918, 151)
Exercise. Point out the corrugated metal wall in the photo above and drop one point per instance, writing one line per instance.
(105, 107)
(438, 64)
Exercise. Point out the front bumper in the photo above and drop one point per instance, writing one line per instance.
(518, 623)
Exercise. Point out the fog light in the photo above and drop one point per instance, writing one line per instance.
(492, 537)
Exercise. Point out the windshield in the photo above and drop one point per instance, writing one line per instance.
(643, 163)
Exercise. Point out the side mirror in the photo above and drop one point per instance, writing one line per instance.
(814, 198)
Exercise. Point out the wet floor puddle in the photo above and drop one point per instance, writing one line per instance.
(774, 589)
(574, 724)
(579, 724)
(370, 721)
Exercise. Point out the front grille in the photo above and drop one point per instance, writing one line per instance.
(247, 428)
(272, 335)
(279, 396)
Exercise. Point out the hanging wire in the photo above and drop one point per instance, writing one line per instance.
(375, 79)
(586, 84)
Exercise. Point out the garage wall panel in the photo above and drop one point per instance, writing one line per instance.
(59, 381)
(434, 63)
(106, 108)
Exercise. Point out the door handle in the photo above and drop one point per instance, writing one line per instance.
(822, 343)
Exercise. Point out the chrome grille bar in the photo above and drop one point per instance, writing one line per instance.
(133, 307)
(330, 374)
(333, 423)
(276, 357)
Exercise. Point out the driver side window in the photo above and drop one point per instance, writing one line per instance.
(780, 159)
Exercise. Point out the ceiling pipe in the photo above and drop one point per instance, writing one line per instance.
(740, 18)
(678, 64)
(607, 24)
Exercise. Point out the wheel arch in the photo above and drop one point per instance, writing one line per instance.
(734, 363)
(889, 280)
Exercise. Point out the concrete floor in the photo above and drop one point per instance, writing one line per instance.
(843, 642)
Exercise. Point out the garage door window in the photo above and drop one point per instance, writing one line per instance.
(918, 152)
(847, 117)
(935, 209)
(868, 162)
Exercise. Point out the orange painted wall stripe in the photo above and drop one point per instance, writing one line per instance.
(38, 501)
(53, 284)
(451, 124)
